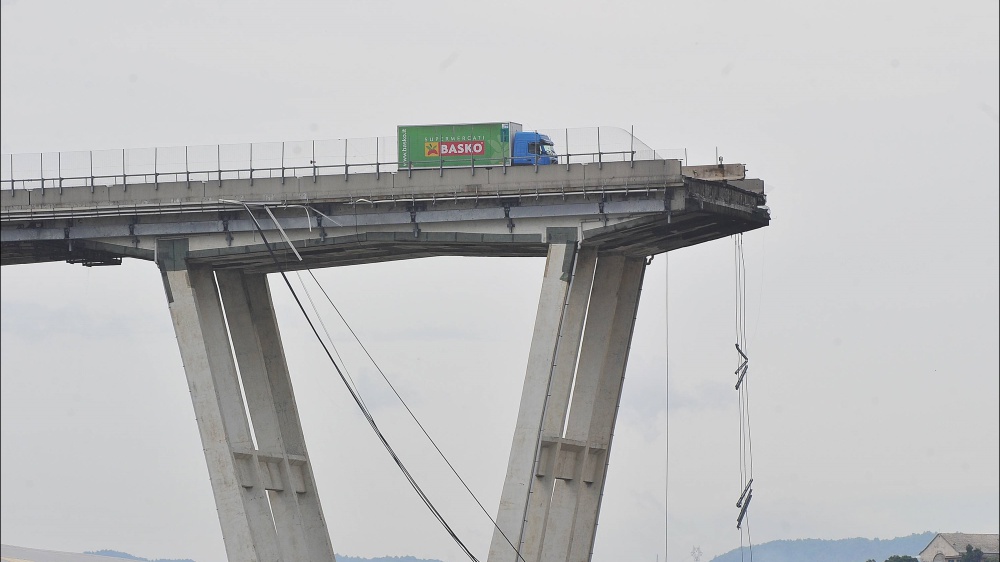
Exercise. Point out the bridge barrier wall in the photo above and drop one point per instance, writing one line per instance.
(399, 186)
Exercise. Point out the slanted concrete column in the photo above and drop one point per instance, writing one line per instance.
(265, 492)
(541, 357)
(196, 310)
(557, 404)
(583, 452)
(281, 450)
(568, 466)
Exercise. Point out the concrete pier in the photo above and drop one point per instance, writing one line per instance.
(555, 477)
(264, 488)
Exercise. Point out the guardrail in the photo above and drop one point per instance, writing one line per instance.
(296, 159)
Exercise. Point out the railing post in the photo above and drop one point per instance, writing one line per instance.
(567, 150)
(600, 161)
(218, 161)
(58, 170)
(313, 161)
(345, 159)
(124, 173)
(376, 159)
(251, 163)
(156, 176)
(631, 146)
(91, 171)
(187, 170)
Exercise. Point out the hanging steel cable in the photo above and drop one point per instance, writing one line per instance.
(742, 387)
(354, 395)
(666, 407)
(412, 415)
(326, 332)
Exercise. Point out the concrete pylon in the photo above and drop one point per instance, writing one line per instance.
(265, 492)
(552, 495)
(541, 356)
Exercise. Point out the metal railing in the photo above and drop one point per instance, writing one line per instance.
(285, 160)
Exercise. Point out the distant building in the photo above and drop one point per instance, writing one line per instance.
(949, 547)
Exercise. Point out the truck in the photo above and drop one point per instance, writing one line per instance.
(472, 144)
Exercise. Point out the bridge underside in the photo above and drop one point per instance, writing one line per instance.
(596, 225)
(640, 222)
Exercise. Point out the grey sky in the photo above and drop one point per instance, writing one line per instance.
(872, 297)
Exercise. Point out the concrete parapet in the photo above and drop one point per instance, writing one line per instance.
(515, 180)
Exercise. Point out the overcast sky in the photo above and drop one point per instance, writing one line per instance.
(872, 297)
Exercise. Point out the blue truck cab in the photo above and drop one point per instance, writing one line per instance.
(530, 148)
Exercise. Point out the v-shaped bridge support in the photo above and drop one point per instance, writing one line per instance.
(264, 491)
(555, 476)
(262, 481)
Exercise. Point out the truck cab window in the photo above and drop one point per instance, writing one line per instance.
(534, 148)
(548, 149)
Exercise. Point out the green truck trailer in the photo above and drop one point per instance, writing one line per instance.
(472, 144)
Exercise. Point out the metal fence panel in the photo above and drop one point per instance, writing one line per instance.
(298, 158)
(279, 159)
(331, 155)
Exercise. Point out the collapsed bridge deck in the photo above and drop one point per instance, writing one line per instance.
(634, 208)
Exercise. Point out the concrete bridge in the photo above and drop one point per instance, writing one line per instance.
(597, 224)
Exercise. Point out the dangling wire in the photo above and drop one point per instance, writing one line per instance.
(406, 406)
(354, 394)
(666, 415)
(742, 387)
(326, 332)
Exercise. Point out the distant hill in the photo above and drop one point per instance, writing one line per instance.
(127, 556)
(23, 554)
(340, 558)
(38, 555)
(841, 550)
(344, 558)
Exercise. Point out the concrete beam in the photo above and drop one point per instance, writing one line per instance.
(716, 172)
